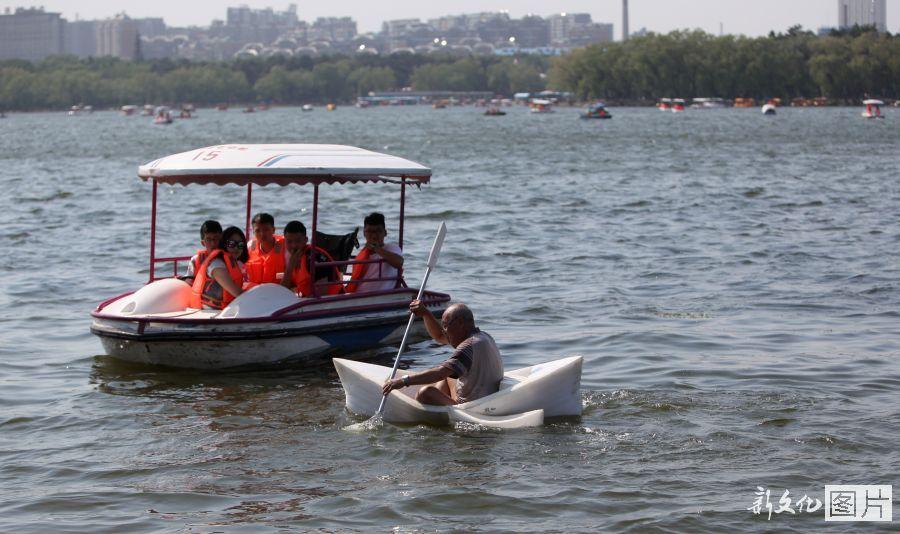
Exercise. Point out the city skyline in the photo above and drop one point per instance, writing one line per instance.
(659, 16)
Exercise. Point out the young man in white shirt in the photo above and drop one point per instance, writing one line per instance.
(375, 248)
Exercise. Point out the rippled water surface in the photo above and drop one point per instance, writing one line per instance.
(730, 279)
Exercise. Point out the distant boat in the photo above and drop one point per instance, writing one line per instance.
(128, 110)
(79, 109)
(162, 115)
(306, 107)
(221, 107)
(596, 110)
(744, 102)
(540, 105)
(677, 105)
(664, 104)
(769, 107)
(249, 109)
(331, 107)
(494, 112)
(708, 103)
(873, 109)
(147, 111)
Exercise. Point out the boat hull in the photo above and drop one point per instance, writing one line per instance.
(266, 325)
(553, 387)
(265, 346)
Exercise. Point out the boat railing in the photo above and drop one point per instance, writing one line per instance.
(399, 278)
(430, 297)
(344, 263)
(174, 260)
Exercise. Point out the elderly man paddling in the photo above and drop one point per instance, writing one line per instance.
(474, 370)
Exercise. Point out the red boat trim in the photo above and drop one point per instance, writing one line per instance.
(153, 231)
(107, 302)
(282, 315)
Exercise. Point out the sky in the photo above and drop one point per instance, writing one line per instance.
(748, 17)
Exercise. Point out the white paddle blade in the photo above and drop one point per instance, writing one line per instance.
(519, 420)
(436, 247)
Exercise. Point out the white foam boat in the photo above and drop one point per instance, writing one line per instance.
(526, 396)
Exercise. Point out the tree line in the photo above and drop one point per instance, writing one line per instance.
(59, 82)
(843, 66)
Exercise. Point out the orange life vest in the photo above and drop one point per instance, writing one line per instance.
(263, 267)
(359, 270)
(198, 260)
(303, 280)
(206, 291)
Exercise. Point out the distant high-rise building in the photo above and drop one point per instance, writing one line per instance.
(117, 37)
(563, 24)
(246, 25)
(863, 13)
(587, 34)
(624, 20)
(531, 31)
(31, 34)
(81, 38)
(151, 27)
(335, 29)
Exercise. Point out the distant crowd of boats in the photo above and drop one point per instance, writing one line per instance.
(595, 110)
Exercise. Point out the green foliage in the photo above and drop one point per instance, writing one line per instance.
(846, 65)
(466, 74)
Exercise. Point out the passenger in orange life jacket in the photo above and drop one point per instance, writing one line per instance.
(375, 231)
(210, 235)
(221, 276)
(297, 272)
(266, 250)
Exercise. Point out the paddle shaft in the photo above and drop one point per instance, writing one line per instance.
(432, 262)
(412, 318)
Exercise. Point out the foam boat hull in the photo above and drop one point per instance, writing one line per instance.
(552, 387)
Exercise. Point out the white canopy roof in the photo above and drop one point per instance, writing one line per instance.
(873, 102)
(281, 165)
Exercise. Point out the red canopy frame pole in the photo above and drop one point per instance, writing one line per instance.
(153, 231)
(312, 241)
(402, 208)
(249, 197)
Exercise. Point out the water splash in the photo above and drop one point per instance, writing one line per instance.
(374, 423)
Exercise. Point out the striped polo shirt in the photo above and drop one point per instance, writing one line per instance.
(477, 367)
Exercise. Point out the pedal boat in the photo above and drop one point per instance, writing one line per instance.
(873, 109)
(553, 388)
(267, 324)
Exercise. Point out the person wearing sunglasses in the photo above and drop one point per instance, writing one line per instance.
(222, 276)
(474, 370)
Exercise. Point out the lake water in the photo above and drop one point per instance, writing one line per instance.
(730, 279)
